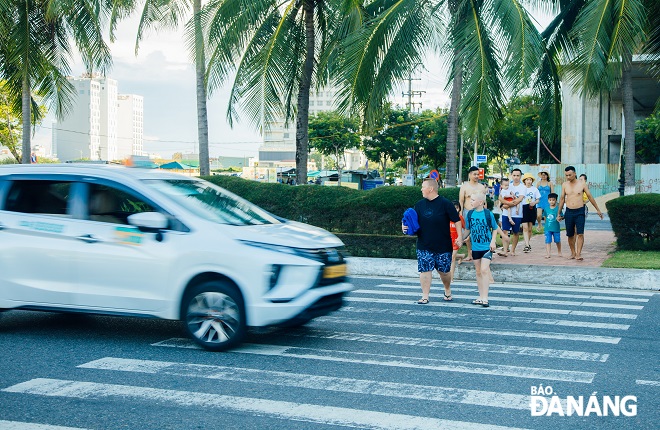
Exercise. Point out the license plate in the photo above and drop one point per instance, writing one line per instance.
(335, 271)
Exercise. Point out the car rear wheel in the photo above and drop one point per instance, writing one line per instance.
(214, 314)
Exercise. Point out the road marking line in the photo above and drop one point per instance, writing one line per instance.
(399, 361)
(17, 425)
(456, 345)
(495, 307)
(479, 330)
(494, 291)
(315, 382)
(644, 382)
(328, 415)
(549, 288)
(513, 299)
(482, 317)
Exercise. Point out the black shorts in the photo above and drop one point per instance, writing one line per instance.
(478, 255)
(529, 214)
(574, 219)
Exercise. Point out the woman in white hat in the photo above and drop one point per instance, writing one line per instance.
(545, 187)
(530, 200)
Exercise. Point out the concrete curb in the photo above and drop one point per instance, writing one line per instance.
(599, 277)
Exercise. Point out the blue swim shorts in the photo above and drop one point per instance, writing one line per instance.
(552, 235)
(427, 261)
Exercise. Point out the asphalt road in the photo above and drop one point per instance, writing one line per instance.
(380, 362)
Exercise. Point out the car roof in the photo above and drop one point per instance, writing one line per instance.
(106, 170)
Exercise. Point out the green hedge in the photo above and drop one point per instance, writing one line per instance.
(336, 209)
(368, 222)
(636, 221)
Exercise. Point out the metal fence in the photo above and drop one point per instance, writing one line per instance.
(602, 178)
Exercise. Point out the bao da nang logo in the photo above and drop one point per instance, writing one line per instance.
(545, 402)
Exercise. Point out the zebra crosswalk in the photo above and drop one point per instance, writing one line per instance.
(381, 362)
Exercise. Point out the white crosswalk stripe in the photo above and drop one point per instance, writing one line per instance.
(316, 382)
(399, 361)
(17, 425)
(468, 356)
(460, 316)
(482, 331)
(283, 410)
(502, 308)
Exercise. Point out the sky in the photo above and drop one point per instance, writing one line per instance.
(164, 75)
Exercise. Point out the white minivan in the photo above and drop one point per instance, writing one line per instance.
(125, 241)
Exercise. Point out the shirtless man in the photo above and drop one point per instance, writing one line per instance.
(472, 186)
(571, 194)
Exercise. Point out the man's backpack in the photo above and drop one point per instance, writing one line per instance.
(489, 223)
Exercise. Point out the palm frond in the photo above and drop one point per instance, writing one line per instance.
(382, 52)
(481, 98)
(604, 34)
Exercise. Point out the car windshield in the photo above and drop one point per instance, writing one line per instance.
(211, 202)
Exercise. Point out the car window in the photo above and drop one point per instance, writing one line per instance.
(39, 197)
(108, 204)
(212, 202)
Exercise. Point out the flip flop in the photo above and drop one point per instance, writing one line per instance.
(579, 258)
(448, 298)
(477, 302)
(485, 304)
(422, 301)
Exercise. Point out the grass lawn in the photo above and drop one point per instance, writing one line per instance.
(634, 260)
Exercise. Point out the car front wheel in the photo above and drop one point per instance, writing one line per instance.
(214, 314)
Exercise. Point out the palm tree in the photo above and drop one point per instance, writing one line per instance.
(35, 53)
(492, 46)
(169, 14)
(278, 52)
(596, 41)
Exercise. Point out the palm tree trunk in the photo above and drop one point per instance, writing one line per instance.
(302, 117)
(25, 103)
(452, 124)
(629, 124)
(200, 71)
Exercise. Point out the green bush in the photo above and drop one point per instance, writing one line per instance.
(337, 209)
(636, 221)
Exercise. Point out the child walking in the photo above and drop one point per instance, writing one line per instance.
(482, 229)
(456, 258)
(552, 227)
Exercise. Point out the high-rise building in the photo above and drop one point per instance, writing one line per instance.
(130, 125)
(279, 146)
(99, 117)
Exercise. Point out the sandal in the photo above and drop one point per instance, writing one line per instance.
(422, 301)
(485, 304)
(477, 302)
(448, 298)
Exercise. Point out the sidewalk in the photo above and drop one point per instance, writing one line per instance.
(533, 267)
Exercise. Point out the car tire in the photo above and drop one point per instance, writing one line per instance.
(214, 315)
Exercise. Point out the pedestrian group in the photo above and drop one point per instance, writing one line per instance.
(442, 227)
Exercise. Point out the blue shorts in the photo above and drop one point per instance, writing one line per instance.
(427, 261)
(550, 235)
(507, 226)
(478, 255)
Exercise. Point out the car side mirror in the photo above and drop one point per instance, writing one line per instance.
(149, 221)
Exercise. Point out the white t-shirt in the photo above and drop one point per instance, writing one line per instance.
(506, 193)
(517, 191)
(531, 194)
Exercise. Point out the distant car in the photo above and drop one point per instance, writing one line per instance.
(134, 242)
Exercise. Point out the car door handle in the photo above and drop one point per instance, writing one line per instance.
(89, 238)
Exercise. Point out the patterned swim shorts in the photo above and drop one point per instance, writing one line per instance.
(427, 261)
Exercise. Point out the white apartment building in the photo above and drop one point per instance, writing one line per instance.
(279, 148)
(130, 129)
(99, 116)
(79, 134)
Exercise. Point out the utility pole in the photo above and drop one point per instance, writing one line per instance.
(410, 105)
